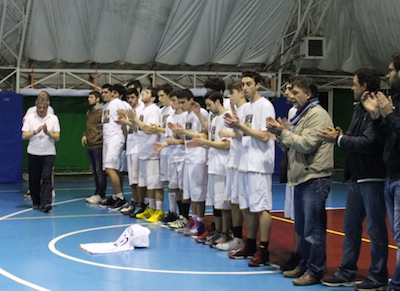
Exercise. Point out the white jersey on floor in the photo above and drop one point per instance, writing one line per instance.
(111, 129)
(133, 236)
(177, 152)
(196, 155)
(150, 115)
(217, 158)
(236, 145)
(41, 144)
(258, 156)
(132, 140)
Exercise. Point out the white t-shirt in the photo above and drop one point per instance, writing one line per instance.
(150, 115)
(236, 145)
(165, 112)
(227, 104)
(41, 144)
(132, 140)
(176, 152)
(33, 109)
(197, 155)
(217, 158)
(258, 156)
(111, 129)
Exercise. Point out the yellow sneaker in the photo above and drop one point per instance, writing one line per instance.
(145, 214)
(156, 217)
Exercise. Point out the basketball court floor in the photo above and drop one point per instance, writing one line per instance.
(40, 251)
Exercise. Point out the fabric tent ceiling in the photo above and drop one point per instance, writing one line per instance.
(172, 32)
(191, 34)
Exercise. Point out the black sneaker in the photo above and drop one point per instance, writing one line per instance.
(46, 208)
(292, 263)
(368, 284)
(337, 282)
(128, 209)
(171, 216)
(118, 204)
(106, 203)
(139, 208)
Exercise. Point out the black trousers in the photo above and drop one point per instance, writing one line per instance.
(40, 169)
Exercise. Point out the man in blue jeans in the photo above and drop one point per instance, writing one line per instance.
(93, 137)
(365, 197)
(309, 171)
(385, 111)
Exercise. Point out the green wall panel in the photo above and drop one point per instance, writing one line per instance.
(342, 112)
(71, 111)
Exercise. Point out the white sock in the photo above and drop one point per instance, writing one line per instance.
(146, 200)
(172, 201)
(120, 196)
(159, 205)
(152, 203)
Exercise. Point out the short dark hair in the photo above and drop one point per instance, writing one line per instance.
(131, 91)
(308, 85)
(395, 59)
(176, 93)
(185, 93)
(167, 88)
(252, 74)
(120, 89)
(291, 79)
(135, 83)
(153, 93)
(216, 84)
(214, 96)
(95, 94)
(370, 77)
(106, 86)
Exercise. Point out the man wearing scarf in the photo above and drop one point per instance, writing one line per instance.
(309, 171)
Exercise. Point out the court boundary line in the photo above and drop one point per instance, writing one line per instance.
(54, 250)
(21, 281)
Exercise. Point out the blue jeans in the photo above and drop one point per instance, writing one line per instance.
(96, 163)
(392, 198)
(310, 223)
(365, 200)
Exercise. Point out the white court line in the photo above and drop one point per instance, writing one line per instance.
(30, 209)
(53, 249)
(21, 281)
(15, 278)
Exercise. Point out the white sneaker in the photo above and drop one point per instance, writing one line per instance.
(94, 199)
(180, 223)
(231, 245)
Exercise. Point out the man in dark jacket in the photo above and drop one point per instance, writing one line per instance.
(365, 171)
(386, 115)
